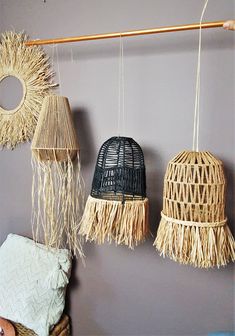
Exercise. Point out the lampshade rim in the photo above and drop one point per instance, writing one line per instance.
(212, 160)
(55, 148)
(55, 96)
(144, 199)
(194, 223)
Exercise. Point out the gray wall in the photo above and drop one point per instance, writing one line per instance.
(121, 292)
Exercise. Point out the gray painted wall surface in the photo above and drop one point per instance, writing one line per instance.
(121, 292)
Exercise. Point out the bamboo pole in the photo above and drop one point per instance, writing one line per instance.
(167, 29)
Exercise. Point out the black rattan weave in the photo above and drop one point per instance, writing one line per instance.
(120, 171)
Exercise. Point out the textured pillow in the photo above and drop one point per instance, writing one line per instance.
(33, 282)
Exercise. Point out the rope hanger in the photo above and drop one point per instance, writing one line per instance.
(167, 29)
(196, 122)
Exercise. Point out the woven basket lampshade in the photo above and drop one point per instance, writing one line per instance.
(57, 183)
(120, 171)
(193, 228)
(55, 136)
(117, 208)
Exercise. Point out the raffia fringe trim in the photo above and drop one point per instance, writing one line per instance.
(105, 220)
(200, 246)
(57, 203)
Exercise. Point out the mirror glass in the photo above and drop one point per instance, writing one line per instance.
(11, 93)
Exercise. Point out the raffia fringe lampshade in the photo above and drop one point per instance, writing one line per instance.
(117, 208)
(57, 184)
(193, 228)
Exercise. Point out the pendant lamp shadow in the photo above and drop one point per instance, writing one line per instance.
(57, 189)
(193, 228)
(117, 208)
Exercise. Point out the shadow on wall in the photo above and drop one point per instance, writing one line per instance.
(154, 178)
(87, 310)
(230, 194)
(85, 138)
(74, 284)
(87, 148)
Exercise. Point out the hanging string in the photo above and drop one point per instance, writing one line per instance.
(122, 82)
(198, 83)
(53, 58)
(58, 68)
(121, 101)
(52, 55)
(71, 55)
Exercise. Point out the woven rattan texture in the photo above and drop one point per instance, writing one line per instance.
(193, 229)
(61, 329)
(194, 188)
(120, 171)
(55, 135)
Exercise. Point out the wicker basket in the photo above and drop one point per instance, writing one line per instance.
(120, 171)
(61, 329)
(117, 208)
(193, 228)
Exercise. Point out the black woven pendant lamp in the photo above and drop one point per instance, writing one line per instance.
(117, 208)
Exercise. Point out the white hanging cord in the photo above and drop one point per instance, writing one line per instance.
(123, 88)
(71, 55)
(198, 82)
(58, 68)
(121, 101)
(52, 55)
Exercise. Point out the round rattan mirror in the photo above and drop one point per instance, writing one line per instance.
(30, 65)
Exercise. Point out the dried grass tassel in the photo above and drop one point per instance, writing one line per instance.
(193, 229)
(117, 209)
(124, 223)
(57, 188)
(57, 203)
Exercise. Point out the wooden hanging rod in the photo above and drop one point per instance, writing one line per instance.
(159, 30)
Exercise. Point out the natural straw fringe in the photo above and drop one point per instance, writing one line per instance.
(124, 223)
(31, 66)
(193, 229)
(199, 246)
(57, 196)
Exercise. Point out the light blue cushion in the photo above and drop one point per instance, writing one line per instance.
(33, 282)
